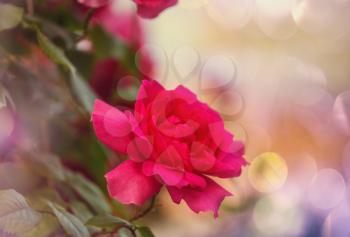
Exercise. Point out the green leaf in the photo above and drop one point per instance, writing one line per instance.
(49, 223)
(15, 214)
(80, 88)
(53, 52)
(10, 16)
(70, 223)
(82, 91)
(106, 45)
(145, 231)
(81, 211)
(47, 226)
(124, 232)
(90, 192)
(106, 221)
(45, 164)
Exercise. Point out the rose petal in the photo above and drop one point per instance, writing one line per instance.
(178, 130)
(228, 167)
(201, 200)
(127, 183)
(221, 138)
(170, 166)
(168, 176)
(173, 177)
(193, 180)
(111, 126)
(147, 92)
(124, 25)
(151, 8)
(94, 3)
(139, 149)
(183, 92)
(202, 158)
(229, 163)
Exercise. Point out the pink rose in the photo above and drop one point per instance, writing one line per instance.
(152, 8)
(145, 8)
(107, 73)
(172, 140)
(124, 25)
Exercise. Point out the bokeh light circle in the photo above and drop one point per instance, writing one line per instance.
(310, 74)
(217, 72)
(327, 189)
(341, 112)
(152, 53)
(303, 169)
(346, 160)
(337, 222)
(278, 215)
(268, 172)
(324, 18)
(240, 133)
(231, 14)
(186, 61)
(275, 19)
(230, 103)
(311, 96)
(308, 81)
(128, 87)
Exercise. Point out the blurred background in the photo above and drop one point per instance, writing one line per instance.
(277, 71)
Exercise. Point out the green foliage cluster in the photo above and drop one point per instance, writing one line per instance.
(55, 188)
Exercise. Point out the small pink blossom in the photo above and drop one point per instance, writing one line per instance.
(124, 25)
(152, 8)
(106, 73)
(172, 140)
(94, 3)
(145, 8)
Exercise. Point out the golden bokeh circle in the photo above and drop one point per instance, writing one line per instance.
(268, 172)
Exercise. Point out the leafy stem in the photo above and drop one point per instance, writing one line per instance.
(86, 23)
(144, 212)
(120, 223)
(132, 230)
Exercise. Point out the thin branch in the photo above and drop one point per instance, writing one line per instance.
(132, 230)
(145, 212)
(86, 23)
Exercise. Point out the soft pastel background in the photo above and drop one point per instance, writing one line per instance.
(279, 73)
